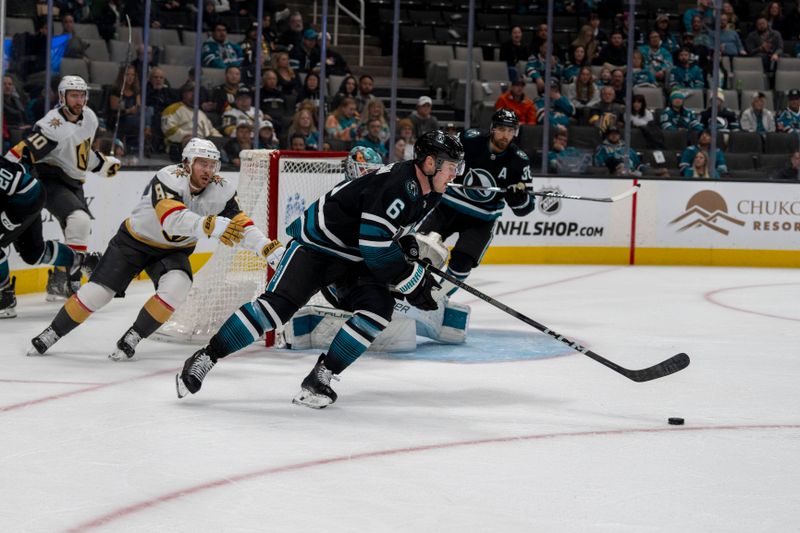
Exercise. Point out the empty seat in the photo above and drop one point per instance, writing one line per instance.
(136, 34)
(163, 37)
(752, 64)
(738, 161)
(175, 54)
(780, 143)
(743, 142)
(787, 79)
(74, 67)
(97, 51)
(211, 77)
(436, 58)
(789, 63)
(119, 51)
(176, 75)
(18, 25)
(416, 34)
(104, 72)
(694, 99)
(772, 161)
(87, 31)
(638, 141)
(586, 137)
(750, 80)
(497, 21)
(421, 18)
(494, 70)
(477, 54)
(675, 140)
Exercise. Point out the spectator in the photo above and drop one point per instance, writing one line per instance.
(764, 43)
(702, 36)
(791, 28)
(703, 10)
(273, 102)
(172, 6)
(210, 16)
(109, 17)
(79, 9)
(176, 122)
(153, 57)
(297, 142)
(577, 61)
(35, 109)
(615, 53)
(303, 124)
(642, 75)
(206, 103)
(266, 136)
(613, 148)
(774, 15)
(348, 88)
(225, 94)
(293, 36)
(790, 171)
(366, 84)
(729, 40)
(516, 100)
(342, 124)
(583, 93)
(733, 18)
(288, 81)
(309, 92)
(587, 40)
(219, 52)
(600, 36)
(399, 152)
(656, 57)
(563, 159)
(372, 139)
(13, 108)
(300, 56)
(699, 168)
(676, 116)
(638, 36)
(127, 84)
(618, 84)
(76, 47)
(242, 140)
(242, 111)
(606, 112)
(405, 131)
(540, 38)
(335, 65)
(159, 96)
(727, 119)
(756, 118)
(789, 119)
(686, 163)
(685, 75)
(249, 52)
(668, 39)
(536, 66)
(375, 111)
(561, 109)
(422, 119)
(513, 51)
(643, 119)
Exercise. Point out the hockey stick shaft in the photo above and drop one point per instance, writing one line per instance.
(122, 87)
(630, 192)
(670, 366)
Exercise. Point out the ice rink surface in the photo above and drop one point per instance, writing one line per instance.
(414, 444)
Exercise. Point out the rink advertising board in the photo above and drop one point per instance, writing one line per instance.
(674, 222)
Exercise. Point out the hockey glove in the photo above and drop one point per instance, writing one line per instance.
(226, 230)
(410, 246)
(273, 252)
(516, 195)
(110, 165)
(417, 285)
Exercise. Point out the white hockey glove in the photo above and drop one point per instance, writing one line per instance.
(228, 231)
(110, 165)
(273, 252)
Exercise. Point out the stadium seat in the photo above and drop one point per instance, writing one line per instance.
(769, 100)
(211, 77)
(425, 18)
(188, 37)
(740, 161)
(97, 51)
(104, 72)
(494, 71)
(496, 21)
(786, 79)
(780, 143)
(772, 161)
(675, 140)
(750, 80)
(654, 96)
(161, 37)
(176, 75)
(18, 25)
(585, 137)
(119, 51)
(436, 58)
(456, 79)
(87, 31)
(74, 67)
(744, 142)
(750, 64)
(477, 54)
(789, 63)
(136, 33)
(530, 138)
(638, 141)
(694, 99)
(731, 98)
(175, 54)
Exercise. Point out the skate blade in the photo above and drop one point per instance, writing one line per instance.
(180, 388)
(8, 313)
(55, 298)
(312, 400)
(33, 352)
(119, 356)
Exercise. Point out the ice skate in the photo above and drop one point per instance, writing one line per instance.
(194, 370)
(315, 391)
(43, 341)
(126, 346)
(8, 300)
(86, 262)
(58, 285)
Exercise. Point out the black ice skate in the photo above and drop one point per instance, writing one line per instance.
(315, 391)
(126, 346)
(43, 341)
(8, 300)
(194, 370)
(85, 262)
(58, 285)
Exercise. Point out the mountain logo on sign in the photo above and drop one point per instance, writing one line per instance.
(706, 209)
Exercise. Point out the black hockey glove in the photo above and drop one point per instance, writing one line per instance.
(516, 195)
(421, 297)
(410, 246)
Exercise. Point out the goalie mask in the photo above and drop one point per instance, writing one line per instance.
(441, 147)
(200, 148)
(360, 161)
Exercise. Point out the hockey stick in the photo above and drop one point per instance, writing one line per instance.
(122, 87)
(670, 366)
(630, 192)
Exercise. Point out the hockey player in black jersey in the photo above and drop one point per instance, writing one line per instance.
(353, 230)
(21, 200)
(491, 160)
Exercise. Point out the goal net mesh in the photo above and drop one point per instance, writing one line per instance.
(274, 188)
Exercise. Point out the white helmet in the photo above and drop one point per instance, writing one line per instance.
(197, 147)
(71, 83)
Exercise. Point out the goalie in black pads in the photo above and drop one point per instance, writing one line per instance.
(352, 230)
(491, 160)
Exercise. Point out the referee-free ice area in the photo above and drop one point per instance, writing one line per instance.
(519, 434)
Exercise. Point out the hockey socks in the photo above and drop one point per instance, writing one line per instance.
(58, 254)
(242, 328)
(70, 316)
(353, 339)
(154, 313)
(5, 273)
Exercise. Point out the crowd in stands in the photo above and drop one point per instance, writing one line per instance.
(672, 89)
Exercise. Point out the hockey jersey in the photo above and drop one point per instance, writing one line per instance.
(169, 215)
(66, 147)
(483, 167)
(361, 220)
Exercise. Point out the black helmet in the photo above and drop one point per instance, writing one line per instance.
(441, 147)
(505, 117)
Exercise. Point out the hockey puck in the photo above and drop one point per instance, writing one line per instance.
(676, 421)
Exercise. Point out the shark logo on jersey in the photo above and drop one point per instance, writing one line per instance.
(482, 178)
(412, 189)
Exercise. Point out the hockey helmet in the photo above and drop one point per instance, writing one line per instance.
(506, 117)
(71, 83)
(441, 147)
(361, 160)
(197, 147)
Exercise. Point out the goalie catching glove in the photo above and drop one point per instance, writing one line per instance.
(109, 165)
(516, 195)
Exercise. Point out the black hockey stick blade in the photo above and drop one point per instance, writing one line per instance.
(674, 364)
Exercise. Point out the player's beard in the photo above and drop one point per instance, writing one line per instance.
(74, 111)
(500, 143)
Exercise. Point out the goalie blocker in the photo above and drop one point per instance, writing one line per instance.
(315, 326)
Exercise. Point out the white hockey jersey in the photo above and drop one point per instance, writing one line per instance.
(170, 216)
(63, 144)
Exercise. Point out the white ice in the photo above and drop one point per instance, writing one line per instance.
(555, 444)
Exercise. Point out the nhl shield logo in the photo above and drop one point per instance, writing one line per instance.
(549, 205)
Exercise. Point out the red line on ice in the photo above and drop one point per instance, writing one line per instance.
(49, 382)
(234, 479)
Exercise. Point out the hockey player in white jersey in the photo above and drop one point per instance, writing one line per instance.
(182, 204)
(59, 148)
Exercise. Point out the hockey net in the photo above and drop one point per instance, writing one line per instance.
(274, 188)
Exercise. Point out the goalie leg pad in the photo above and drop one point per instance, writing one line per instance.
(448, 324)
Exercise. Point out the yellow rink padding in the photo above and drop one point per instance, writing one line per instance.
(556, 255)
(718, 257)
